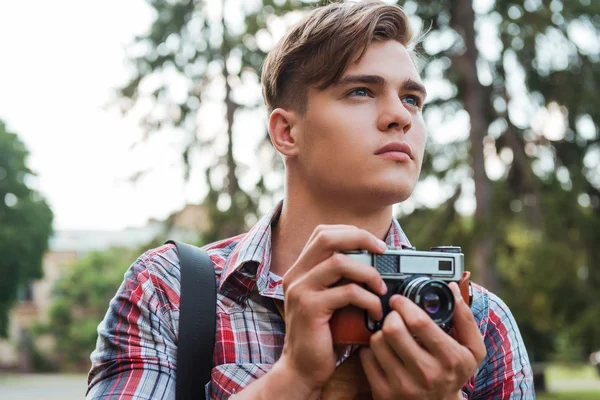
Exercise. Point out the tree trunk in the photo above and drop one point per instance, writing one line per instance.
(26, 353)
(236, 220)
(524, 181)
(475, 103)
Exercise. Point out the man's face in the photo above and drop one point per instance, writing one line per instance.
(362, 140)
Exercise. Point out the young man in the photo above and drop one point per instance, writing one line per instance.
(345, 102)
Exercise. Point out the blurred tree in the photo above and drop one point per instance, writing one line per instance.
(502, 62)
(81, 296)
(25, 224)
(196, 58)
(80, 301)
(526, 73)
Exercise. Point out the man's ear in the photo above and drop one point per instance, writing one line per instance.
(283, 131)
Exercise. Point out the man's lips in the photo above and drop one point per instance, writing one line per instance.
(400, 151)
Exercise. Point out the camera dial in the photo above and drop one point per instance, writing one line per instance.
(447, 249)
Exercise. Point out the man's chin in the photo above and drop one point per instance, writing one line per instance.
(382, 197)
(392, 190)
(372, 194)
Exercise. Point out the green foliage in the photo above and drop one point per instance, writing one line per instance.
(81, 297)
(25, 223)
(547, 276)
(544, 255)
(591, 395)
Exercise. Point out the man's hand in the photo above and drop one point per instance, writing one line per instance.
(398, 367)
(311, 299)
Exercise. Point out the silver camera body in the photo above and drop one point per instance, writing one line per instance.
(443, 262)
(422, 276)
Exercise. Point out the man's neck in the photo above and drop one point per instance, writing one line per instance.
(299, 219)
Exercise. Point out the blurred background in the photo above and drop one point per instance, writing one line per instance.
(123, 124)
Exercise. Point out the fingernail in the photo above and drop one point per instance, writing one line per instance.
(394, 298)
(382, 245)
(455, 289)
(384, 288)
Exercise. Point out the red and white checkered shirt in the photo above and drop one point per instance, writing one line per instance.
(136, 351)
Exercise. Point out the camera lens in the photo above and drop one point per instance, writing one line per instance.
(432, 295)
(431, 303)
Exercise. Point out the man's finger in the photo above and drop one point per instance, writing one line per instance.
(321, 228)
(340, 266)
(389, 361)
(375, 375)
(398, 337)
(350, 294)
(343, 239)
(417, 320)
(441, 345)
(328, 241)
(465, 328)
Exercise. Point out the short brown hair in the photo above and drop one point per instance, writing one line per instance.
(317, 50)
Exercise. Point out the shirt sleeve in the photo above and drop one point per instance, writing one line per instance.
(505, 373)
(135, 355)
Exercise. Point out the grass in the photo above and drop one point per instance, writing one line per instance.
(577, 373)
(569, 396)
(564, 372)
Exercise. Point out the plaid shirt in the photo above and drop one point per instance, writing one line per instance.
(135, 355)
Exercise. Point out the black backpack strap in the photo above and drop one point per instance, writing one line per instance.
(197, 322)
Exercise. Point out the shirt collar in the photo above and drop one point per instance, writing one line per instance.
(255, 247)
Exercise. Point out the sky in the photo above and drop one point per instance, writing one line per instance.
(61, 62)
(60, 65)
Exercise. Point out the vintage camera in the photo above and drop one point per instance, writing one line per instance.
(422, 276)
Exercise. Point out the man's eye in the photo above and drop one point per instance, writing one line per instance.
(361, 92)
(413, 100)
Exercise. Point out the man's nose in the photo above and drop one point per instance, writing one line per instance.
(394, 115)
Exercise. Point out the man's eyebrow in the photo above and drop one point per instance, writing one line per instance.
(408, 85)
(364, 79)
(414, 86)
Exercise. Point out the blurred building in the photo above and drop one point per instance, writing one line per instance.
(65, 248)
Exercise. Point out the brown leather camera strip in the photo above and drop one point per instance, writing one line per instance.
(465, 288)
